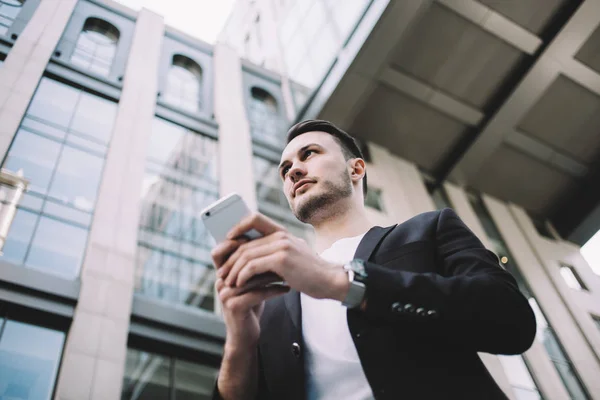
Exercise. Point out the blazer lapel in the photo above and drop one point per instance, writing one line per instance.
(292, 303)
(369, 242)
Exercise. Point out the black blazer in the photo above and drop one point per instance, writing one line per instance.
(435, 297)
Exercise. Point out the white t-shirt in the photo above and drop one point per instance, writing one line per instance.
(333, 369)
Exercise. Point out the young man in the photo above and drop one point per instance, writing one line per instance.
(387, 313)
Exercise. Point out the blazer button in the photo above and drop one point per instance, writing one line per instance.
(432, 314)
(397, 307)
(420, 311)
(409, 308)
(296, 350)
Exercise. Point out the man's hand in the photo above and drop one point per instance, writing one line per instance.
(241, 311)
(289, 257)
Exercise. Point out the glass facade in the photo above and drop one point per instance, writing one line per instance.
(96, 46)
(60, 148)
(153, 376)
(311, 34)
(29, 360)
(173, 258)
(266, 124)
(184, 84)
(9, 10)
(545, 333)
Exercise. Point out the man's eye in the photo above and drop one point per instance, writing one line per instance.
(284, 172)
(308, 152)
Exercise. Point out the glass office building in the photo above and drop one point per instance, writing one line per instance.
(124, 128)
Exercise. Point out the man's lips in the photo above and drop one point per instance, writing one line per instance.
(301, 183)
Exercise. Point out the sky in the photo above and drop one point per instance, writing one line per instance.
(202, 19)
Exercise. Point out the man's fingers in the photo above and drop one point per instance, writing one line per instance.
(249, 254)
(231, 260)
(223, 250)
(235, 302)
(261, 223)
(259, 265)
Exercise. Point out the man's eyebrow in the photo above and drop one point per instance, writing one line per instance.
(303, 148)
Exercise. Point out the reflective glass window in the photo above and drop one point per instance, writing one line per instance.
(19, 236)
(266, 124)
(96, 46)
(57, 247)
(60, 149)
(29, 360)
(173, 258)
(146, 376)
(194, 381)
(184, 84)
(76, 178)
(155, 376)
(9, 10)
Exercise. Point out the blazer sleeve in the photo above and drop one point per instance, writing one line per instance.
(472, 302)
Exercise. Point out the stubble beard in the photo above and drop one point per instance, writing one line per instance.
(325, 204)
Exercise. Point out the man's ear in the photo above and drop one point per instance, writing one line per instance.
(358, 169)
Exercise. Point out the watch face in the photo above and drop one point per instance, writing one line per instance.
(359, 267)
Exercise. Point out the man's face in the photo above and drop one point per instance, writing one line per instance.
(315, 175)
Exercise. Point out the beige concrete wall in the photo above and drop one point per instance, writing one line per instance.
(235, 144)
(94, 355)
(26, 62)
(536, 357)
(551, 254)
(559, 315)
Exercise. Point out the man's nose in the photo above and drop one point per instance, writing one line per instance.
(296, 174)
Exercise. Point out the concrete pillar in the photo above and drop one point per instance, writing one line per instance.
(235, 144)
(26, 62)
(551, 254)
(94, 355)
(547, 378)
(557, 313)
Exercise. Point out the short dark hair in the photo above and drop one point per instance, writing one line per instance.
(349, 145)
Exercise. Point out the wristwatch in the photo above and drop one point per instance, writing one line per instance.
(357, 276)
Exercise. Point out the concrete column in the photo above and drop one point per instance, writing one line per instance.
(551, 254)
(537, 359)
(557, 313)
(26, 62)
(94, 355)
(235, 144)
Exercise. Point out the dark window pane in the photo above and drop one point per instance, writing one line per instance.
(35, 156)
(194, 381)
(29, 360)
(77, 178)
(54, 102)
(19, 236)
(95, 117)
(146, 376)
(58, 248)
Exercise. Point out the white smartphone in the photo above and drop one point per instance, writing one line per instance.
(220, 217)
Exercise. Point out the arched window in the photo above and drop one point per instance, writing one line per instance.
(184, 84)
(9, 10)
(96, 46)
(265, 122)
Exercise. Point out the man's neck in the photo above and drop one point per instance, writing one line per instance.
(352, 222)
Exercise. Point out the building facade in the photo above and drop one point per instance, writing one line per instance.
(124, 128)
